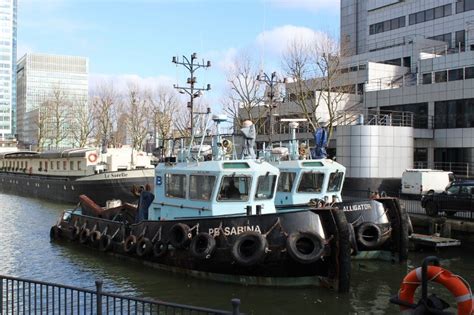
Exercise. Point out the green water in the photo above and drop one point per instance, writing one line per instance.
(26, 251)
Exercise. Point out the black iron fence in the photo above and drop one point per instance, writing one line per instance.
(412, 203)
(23, 296)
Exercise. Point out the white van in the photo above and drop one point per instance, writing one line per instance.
(421, 181)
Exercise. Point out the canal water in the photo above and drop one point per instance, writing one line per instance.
(26, 251)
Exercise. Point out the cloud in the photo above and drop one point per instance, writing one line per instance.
(121, 82)
(274, 42)
(312, 5)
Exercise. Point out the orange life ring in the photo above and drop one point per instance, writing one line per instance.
(453, 283)
(92, 157)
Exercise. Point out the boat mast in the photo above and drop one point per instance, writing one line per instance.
(191, 90)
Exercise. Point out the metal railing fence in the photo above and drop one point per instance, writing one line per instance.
(24, 296)
(412, 204)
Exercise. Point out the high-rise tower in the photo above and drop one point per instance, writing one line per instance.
(8, 17)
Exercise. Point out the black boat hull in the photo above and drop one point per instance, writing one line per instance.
(276, 266)
(101, 187)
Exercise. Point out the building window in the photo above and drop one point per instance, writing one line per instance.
(464, 5)
(420, 17)
(427, 78)
(440, 76)
(454, 114)
(460, 39)
(387, 25)
(469, 73)
(430, 14)
(455, 74)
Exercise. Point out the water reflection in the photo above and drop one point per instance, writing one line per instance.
(27, 252)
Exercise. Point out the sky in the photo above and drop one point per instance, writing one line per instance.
(135, 40)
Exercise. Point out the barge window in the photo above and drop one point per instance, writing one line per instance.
(175, 185)
(52, 165)
(285, 182)
(40, 166)
(335, 181)
(57, 165)
(234, 188)
(201, 187)
(71, 165)
(311, 182)
(78, 165)
(265, 187)
(64, 165)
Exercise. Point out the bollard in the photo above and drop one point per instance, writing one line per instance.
(249, 210)
(98, 286)
(235, 307)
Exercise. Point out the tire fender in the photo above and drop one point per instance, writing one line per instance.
(130, 244)
(84, 235)
(105, 242)
(144, 247)
(305, 247)
(249, 248)
(202, 246)
(179, 235)
(160, 249)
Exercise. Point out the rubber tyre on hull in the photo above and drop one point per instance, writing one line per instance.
(369, 235)
(130, 244)
(95, 237)
(84, 236)
(179, 235)
(160, 249)
(105, 242)
(249, 248)
(144, 247)
(75, 232)
(305, 247)
(202, 246)
(55, 233)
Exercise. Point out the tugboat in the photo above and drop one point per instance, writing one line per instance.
(310, 178)
(215, 217)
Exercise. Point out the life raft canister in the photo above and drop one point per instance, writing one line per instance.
(453, 283)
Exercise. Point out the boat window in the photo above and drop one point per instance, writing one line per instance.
(201, 187)
(311, 182)
(335, 181)
(40, 166)
(285, 182)
(175, 185)
(234, 188)
(64, 165)
(265, 187)
(52, 165)
(57, 165)
(71, 165)
(78, 165)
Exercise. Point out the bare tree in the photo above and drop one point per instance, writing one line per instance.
(164, 106)
(82, 122)
(319, 85)
(182, 119)
(244, 97)
(137, 109)
(40, 118)
(105, 111)
(52, 119)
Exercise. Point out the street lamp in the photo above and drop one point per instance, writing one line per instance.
(193, 92)
(271, 81)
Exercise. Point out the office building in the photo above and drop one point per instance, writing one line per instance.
(51, 89)
(8, 18)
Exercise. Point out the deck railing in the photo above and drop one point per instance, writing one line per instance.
(23, 296)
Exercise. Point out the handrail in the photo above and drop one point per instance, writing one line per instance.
(26, 296)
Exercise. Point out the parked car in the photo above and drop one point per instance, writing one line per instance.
(459, 196)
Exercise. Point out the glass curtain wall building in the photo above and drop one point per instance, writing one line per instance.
(8, 16)
(51, 91)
